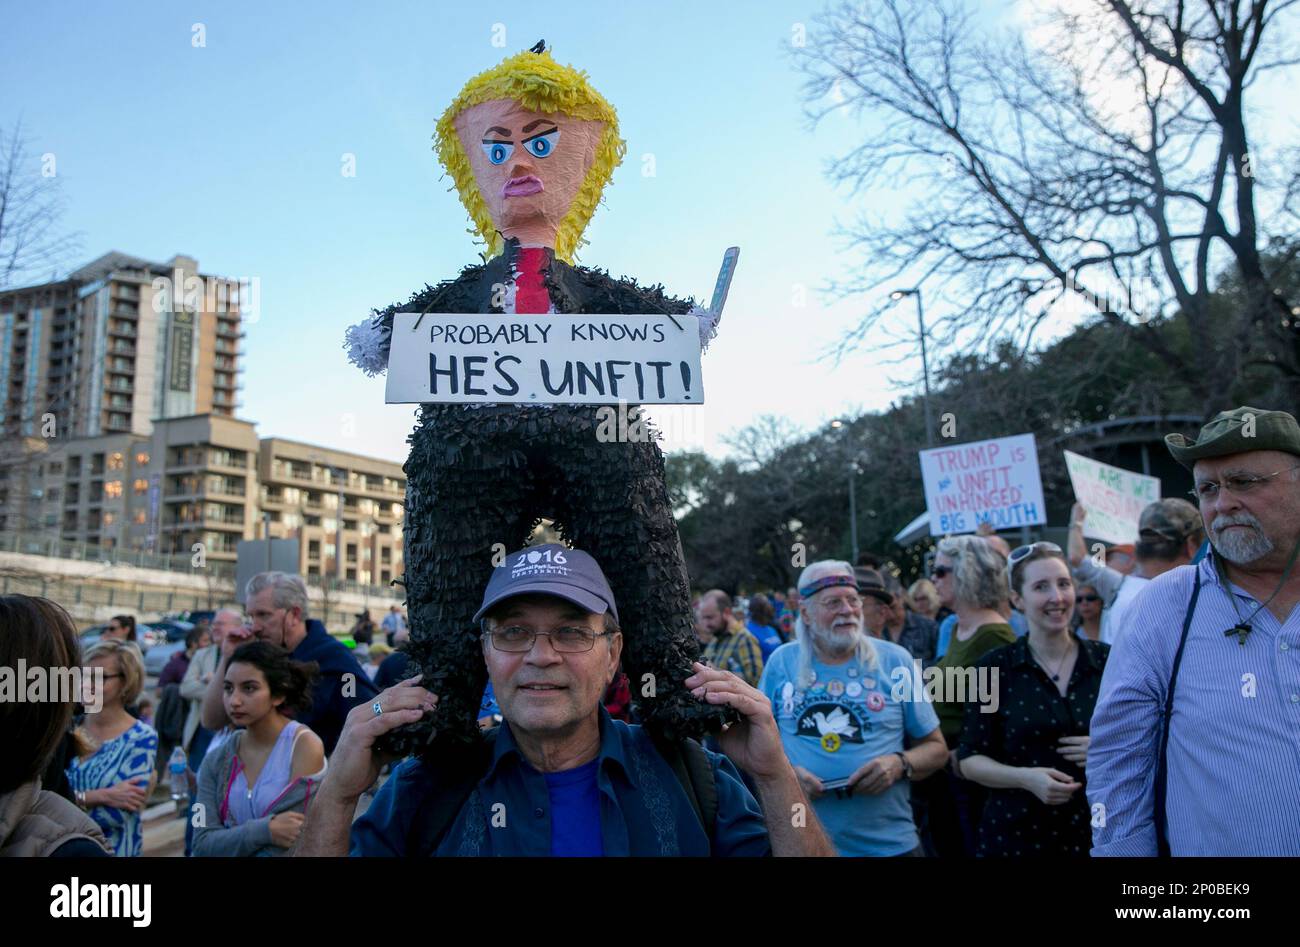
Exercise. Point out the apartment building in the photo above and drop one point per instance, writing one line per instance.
(209, 480)
(119, 342)
(345, 509)
(190, 481)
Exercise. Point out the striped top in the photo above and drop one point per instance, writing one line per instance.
(128, 756)
(1234, 740)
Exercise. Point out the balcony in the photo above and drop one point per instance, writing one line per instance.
(122, 348)
(223, 490)
(228, 331)
(122, 329)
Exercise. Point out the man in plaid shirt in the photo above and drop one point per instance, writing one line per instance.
(728, 645)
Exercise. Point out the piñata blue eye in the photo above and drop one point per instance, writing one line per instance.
(542, 145)
(497, 151)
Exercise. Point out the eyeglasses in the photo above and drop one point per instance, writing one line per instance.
(852, 602)
(938, 572)
(571, 640)
(1079, 600)
(1208, 490)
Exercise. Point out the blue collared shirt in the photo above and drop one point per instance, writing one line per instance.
(644, 811)
(1234, 754)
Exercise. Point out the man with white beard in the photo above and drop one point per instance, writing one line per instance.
(1203, 688)
(843, 702)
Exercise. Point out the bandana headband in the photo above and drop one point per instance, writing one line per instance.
(828, 582)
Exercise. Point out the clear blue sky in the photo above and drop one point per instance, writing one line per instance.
(232, 153)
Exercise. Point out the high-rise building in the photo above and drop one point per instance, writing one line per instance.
(118, 343)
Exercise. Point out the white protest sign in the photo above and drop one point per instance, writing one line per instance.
(544, 359)
(1113, 497)
(995, 481)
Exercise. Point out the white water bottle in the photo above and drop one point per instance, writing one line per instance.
(177, 770)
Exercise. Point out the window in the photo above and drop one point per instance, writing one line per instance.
(142, 459)
(113, 489)
(116, 461)
(140, 517)
(108, 519)
(313, 549)
(141, 486)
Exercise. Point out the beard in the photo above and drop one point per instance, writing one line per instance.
(1240, 546)
(836, 640)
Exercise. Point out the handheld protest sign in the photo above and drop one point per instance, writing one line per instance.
(994, 481)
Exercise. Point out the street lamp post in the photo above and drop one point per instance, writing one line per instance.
(853, 512)
(925, 362)
(839, 424)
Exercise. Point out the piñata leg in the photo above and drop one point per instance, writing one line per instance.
(611, 500)
(467, 490)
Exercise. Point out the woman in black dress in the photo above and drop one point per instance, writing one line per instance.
(1032, 750)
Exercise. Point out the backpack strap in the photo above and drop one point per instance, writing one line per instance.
(694, 771)
(1162, 767)
(445, 794)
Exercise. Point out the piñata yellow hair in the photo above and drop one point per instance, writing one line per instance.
(540, 84)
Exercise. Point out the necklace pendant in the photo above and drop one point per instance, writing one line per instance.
(1056, 677)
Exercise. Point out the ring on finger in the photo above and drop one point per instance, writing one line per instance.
(377, 707)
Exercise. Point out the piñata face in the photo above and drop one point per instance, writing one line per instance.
(529, 165)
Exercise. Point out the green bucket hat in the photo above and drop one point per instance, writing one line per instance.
(1236, 432)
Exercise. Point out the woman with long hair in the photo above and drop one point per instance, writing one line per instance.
(254, 789)
(34, 820)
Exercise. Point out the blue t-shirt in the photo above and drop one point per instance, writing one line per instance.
(769, 639)
(847, 716)
(575, 812)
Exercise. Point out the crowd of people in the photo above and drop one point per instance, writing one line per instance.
(1027, 702)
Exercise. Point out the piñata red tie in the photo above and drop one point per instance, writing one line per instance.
(530, 285)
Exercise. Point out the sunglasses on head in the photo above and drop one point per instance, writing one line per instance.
(1020, 553)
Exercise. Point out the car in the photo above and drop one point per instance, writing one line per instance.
(144, 634)
(157, 657)
(166, 631)
(202, 616)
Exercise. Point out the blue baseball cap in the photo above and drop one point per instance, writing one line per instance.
(551, 569)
